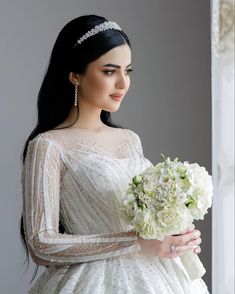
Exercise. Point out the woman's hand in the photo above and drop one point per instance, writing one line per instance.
(172, 246)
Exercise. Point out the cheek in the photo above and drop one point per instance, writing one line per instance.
(96, 86)
(99, 83)
(128, 83)
(89, 86)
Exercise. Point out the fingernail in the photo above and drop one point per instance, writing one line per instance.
(197, 250)
(196, 234)
(198, 241)
(190, 243)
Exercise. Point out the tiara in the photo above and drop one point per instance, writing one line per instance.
(107, 25)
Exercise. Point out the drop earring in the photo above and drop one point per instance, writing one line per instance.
(76, 94)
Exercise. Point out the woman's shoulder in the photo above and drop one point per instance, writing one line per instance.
(128, 136)
(126, 132)
(43, 144)
(46, 138)
(131, 134)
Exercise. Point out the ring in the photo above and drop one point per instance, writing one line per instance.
(173, 248)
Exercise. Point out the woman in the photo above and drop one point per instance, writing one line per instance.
(77, 166)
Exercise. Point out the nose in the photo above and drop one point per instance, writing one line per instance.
(122, 81)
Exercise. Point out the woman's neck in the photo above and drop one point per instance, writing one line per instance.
(94, 122)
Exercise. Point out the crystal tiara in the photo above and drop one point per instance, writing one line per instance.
(107, 25)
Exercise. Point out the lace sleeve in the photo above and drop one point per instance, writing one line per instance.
(136, 141)
(41, 195)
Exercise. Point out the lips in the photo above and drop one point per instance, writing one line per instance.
(117, 97)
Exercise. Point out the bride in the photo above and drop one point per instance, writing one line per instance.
(76, 168)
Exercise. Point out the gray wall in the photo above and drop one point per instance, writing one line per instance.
(168, 104)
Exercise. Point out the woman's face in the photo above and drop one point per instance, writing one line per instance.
(106, 80)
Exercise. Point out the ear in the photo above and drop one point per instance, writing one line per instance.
(74, 78)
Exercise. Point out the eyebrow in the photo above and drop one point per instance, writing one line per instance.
(115, 65)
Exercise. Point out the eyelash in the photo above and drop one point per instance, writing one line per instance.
(112, 71)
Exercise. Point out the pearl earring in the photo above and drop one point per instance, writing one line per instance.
(76, 94)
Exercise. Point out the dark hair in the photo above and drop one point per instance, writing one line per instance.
(56, 95)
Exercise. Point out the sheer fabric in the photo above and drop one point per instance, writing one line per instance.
(80, 178)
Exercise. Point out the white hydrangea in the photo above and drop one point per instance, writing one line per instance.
(144, 223)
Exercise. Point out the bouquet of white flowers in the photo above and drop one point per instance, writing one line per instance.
(165, 199)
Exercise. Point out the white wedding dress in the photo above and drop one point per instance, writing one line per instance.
(80, 178)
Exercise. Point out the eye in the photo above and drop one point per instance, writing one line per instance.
(109, 72)
(129, 71)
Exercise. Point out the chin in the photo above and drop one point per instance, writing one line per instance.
(112, 108)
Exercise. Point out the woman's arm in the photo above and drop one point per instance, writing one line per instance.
(41, 196)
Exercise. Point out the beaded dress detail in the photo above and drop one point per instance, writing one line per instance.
(72, 177)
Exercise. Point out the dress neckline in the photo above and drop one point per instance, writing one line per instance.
(93, 147)
(96, 148)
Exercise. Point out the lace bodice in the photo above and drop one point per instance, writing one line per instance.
(79, 179)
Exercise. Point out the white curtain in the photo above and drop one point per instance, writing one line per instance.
(222, 17)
